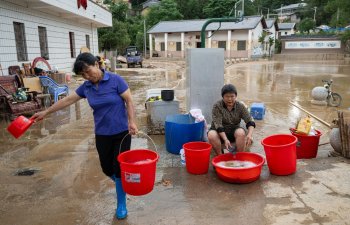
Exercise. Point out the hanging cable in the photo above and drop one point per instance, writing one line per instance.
(216, 30)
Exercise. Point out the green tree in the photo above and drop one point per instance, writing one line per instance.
(165, 11)
(218, 8)
(345, 37)
(306, 25)
(119, 10)
(340, 10)
(271, 41)
(115, 38)
(191, 9)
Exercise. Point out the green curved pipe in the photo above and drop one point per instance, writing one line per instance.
(228, 19)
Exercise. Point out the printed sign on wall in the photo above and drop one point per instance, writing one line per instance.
(312, 44)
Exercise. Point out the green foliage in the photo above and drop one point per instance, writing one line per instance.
(271, 41)
(340, 10)
(218, 8)
(262, 37)
(278, 46)
(128, 30)
(165, 11)
(345, 36)
(191, 9)
(306, 25)
(114, 38)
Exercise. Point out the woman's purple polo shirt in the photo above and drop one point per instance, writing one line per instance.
(110, 114)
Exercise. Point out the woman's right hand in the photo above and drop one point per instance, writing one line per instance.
(227, 144)
(39, 116)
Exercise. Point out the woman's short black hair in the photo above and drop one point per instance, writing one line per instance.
(228, 88)
(83, 61)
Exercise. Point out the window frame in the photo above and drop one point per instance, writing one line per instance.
(241, 42)
(44, 47)
(20, 41)
(72, 45)
(178, 46)
(87, 40)
(222, 43)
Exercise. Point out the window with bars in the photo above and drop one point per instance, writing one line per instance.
(222, 44)
(241, 45)
(72, 45)
(87, 39)
(44, 49)
(20, 38)
(162, 46)
(178, 46)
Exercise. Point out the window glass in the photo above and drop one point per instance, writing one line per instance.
(222, 44)
(87, 39)
(178, 46)
(20, 38)
(241, 45)
(44, 49)
(72, 45)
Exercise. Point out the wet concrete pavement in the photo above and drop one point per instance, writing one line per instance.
(69, 187)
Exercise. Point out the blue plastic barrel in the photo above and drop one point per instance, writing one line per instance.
(180, 129)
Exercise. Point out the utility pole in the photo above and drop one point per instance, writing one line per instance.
(337, 16)
(281, 10)
(315, 8)
(144, 39)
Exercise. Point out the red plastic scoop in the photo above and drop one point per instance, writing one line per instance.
(19, 126)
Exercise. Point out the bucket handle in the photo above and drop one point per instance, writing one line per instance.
(140, 132)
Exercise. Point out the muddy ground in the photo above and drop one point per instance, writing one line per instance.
(68, 186)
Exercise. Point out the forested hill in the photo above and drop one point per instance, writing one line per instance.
(129, 25)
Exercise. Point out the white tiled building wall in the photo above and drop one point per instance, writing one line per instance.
(57, 36)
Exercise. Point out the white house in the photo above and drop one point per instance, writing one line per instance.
(239, 39)
(290, 12)
(272, 29)
(53, 29)
(286, 29)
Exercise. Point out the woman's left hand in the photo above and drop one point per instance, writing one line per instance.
(133, 129)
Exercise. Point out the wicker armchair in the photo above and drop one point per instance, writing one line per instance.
(9, 86)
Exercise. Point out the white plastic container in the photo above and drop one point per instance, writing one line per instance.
(182, 157)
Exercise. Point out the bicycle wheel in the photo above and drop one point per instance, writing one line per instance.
(334, 100)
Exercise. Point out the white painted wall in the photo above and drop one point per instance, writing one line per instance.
(57, 28)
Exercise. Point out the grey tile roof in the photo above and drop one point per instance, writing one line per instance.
(249, 22)
(286, 26)
(150, 3)
(291, 7)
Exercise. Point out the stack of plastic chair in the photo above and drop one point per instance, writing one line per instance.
(53, 88)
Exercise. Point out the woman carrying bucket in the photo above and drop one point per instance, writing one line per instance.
(110, 98)
(225, 127)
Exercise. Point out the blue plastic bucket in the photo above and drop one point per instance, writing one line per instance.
(180, 129)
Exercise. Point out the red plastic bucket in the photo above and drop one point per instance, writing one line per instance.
(138, 171)
(280, 150)
(19, 126)
(197, 155)
(307, 145)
